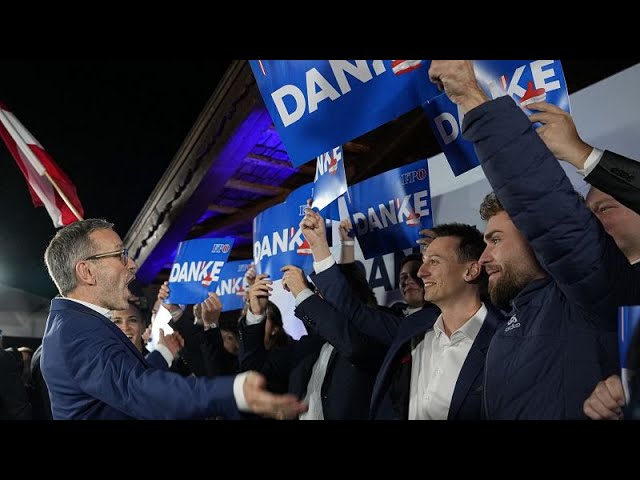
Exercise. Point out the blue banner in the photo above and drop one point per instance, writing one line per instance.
(526, 81)
(331, 179)
(628, 320)
(277, 238)
(232, 286)
(317, 104)
(196, 269)
(387, 211)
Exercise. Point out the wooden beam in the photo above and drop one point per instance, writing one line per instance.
(229, 222)
(401, 133)
(226, 209)
(273, 162)
(355, 147)
(258, 188)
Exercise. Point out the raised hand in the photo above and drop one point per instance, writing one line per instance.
(211, 309)
(458, 80)
(314, 231)
(163, 294)
(559, 133)
(293, 280)
(344, 228)
(174, 342)
(259, 294)
(250, 274)
(265, 403)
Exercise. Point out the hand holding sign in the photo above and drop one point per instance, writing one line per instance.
(293, 280)
(211, 309)
(259, 294)
(315, 233)
(458, 80)
(559, 133)
(163, 295)
(606, 401)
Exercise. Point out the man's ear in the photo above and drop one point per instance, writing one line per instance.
(473, 272)
(84, 273)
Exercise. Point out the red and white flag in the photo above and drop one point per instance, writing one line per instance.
(41, 172)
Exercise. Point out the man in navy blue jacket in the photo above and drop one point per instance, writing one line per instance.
(547, 257)
(92, 369)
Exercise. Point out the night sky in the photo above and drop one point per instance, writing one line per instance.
(113, 127)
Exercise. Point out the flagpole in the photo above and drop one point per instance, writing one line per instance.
(63, 196)
(33, 160)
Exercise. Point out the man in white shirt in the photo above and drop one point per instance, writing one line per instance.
(433, 368)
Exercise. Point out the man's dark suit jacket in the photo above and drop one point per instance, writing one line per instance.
(351, 369)
(94, 371)
(619, 177)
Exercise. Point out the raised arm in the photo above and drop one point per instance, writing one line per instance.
(567, 239)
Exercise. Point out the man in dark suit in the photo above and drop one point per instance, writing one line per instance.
(609, 172)
(92, 369)
(433, 367)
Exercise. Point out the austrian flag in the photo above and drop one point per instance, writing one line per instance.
(48, 184)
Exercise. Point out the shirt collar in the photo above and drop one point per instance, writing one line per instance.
(470, 328)
(410, 310)
(102, 311)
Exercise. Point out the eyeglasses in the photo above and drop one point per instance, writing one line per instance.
(123, 253)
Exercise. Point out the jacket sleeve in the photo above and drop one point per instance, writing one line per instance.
(378, 324)
(323, 319)
(566, 237)
(103, 367)
(216, 360)
(619, 177)
(275, 364)
(156, 360)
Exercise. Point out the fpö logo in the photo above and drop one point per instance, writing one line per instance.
(413, 176)
(221, 248)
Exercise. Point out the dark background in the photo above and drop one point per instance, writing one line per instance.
(114, 127)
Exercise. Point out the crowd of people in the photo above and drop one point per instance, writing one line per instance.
(516, 322)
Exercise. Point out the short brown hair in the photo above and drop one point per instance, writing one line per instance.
(490, 206)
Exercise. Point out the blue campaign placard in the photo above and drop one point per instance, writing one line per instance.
(525, 81)
(318, 104)
(196, 269)
(331, 180)
(628, 320)
(389, 210)
(277, 237)
(231, 286)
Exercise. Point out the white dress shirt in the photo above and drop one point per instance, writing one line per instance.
(436, 365)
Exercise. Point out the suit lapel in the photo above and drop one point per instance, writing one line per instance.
(472, 366)
(66, 304)
(411, 326)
